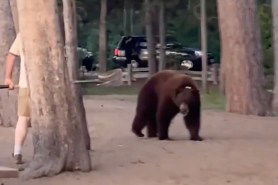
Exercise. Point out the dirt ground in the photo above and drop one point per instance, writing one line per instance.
(237, 150)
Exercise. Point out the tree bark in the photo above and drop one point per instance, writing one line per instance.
(103, 37)
(162, 35)
(8, 99)
(155, 11)
(69, 12)
(275, 43)
(150, 38)
(55, 119)
(15, 14)
(241, 62)
(127, 17)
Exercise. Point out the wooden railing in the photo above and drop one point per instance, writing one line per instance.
(131, 74)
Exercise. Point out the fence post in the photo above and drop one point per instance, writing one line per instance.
(214, 74)
(129, 74)
(204, 45)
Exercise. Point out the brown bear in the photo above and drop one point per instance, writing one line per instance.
(163, 96)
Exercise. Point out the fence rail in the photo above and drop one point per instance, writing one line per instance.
(131, 74)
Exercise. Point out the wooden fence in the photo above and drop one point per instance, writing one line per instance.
(131, 74)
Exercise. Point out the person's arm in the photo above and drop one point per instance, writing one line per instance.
(13, 53)
(9, 70)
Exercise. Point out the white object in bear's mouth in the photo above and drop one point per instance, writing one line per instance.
(188, 87)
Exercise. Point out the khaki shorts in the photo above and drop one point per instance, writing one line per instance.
(24, 108)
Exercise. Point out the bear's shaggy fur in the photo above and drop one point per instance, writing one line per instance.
(163, 96)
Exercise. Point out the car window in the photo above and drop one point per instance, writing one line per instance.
(143, 44)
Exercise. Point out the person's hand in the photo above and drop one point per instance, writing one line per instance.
(10, 83)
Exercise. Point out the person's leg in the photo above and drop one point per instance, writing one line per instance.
(22, 123)
(21, 130)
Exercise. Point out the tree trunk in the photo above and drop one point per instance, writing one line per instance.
(162, 35)
(131, 19)
(102, 37)
(242, 70)
(127, 17)
(8, 99)
(55, 119)
(275, 43)
(155, 14)
(15, 14)
(69, 11)
(150, 38)
(204, 45)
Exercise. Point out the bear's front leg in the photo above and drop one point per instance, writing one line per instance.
(152, 128)
(192, 122)
(138, 124)
(165, 114)
(194, 129)
(163, 127)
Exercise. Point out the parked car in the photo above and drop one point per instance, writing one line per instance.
(86, 59)
(133, 49)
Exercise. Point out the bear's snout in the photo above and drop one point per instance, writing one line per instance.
(184, 109)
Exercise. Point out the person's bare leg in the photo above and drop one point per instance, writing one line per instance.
(20, 136)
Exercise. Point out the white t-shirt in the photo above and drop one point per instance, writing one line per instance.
(16, 49)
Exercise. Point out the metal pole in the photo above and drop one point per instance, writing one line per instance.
(204, 45)
(124, 21)
(162, 36)
(275, 43)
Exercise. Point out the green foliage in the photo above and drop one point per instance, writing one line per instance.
(183, 23)
(266, 35)
(213, 100)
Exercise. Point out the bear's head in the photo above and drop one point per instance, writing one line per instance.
(186, 97)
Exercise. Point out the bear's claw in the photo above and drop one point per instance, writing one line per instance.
(138, 133)
(196, 138)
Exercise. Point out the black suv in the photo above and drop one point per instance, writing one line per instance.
(133, 49)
